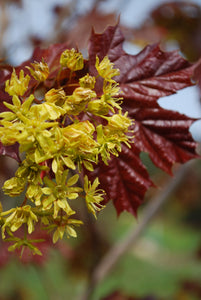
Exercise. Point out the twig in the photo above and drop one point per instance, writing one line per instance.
(123, 245)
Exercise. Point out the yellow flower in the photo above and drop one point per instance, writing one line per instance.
(79, 140)
(17, 86)
(8, 133)
(14, 186)
(19, 109)
(94, 196)
(87, 81)
(76, 103)
(66, 226)
(82, 94)
(19, 216)
(119, 122)
(56, 96)
(57, 193)
(70, 129)
(98, 107)
(47, 111)
(72, 59)
(34, 193)
(110, 95)
(40, 70)
(105, 69)
(111, 136)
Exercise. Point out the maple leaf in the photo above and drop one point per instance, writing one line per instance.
(125, 180)
(163, 134)
(83, 26)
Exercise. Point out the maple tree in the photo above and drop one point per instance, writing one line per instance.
(142, 79)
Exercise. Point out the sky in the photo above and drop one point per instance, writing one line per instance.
(37, 18)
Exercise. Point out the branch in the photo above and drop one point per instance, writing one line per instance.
(124, 244)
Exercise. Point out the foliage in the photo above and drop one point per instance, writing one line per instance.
(164, 134)
(67, 116)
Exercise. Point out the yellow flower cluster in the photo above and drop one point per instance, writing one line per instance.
(57, 142)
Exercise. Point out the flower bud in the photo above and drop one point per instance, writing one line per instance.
(119, 122)
(105, 69)
(98, 107)
(14, 186)
(55, 95)
(87, 81)
(40, 70)
(72, 59)
(16, 86)
(81, 94)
